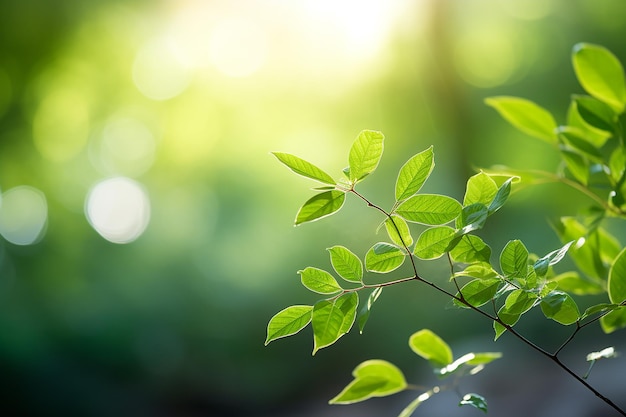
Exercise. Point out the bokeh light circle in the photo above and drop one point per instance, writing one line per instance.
(23, 215)
(118, 209)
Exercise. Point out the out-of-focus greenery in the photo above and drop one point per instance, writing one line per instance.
(183, 101)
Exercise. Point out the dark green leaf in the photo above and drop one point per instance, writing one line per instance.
(367, 308)
(501, 196)
(331, 319)
(414, 173)
(429, 209)
(526, 116)
(577, 165)
(541, 265)
(596, 113)
(319, 281)
(346, 264)
(473, 217)
(578, 142)
(365, 154)
(433, 242)
(560, 307)
(304, 168)
(288, 321)
(475, 401)
(373, 378)
(431, 347)
(384, 257)
(601, 74)
(320, 205)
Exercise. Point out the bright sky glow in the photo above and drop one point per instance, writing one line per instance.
(118, 209)
(126, 147)
(23, 215)
(238, 47)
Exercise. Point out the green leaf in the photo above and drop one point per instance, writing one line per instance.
(473, 217)
(288, 321)
(367, 308)
(560, 307)
(514, 259)
(593, 135)
(579, 142)
(414, 173)
(433, 242)
(384, 257)
(346, 264)
(499, 330)
(541, 265)
(596, 113)
(304, 168)
(577, 165)
(331, 319)
(484, 358)
(501, 196)
(479, 270)
(481, 188)
(372, 378)
(365, 154)
(471, 249)
(431, 347)
(526, 116)
(320, 205)
(429, 209)
(599, 309)
(601, 74)
(397, 224)
(475, 401)
(617, 279)
(478, 292)
(319, 281)
(573, 283)
(615, 320)
(466, 359)
(517, 303)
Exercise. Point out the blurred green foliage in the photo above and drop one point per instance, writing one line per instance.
(187, 99)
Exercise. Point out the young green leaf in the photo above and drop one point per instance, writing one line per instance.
(578, 142)
(319, 281)
(346, 264)
(596, 113)
(526, 116)
(429, 209)
(592, 134)
(473, 217)
(431, 347)
(517, 303)
(288, 321)
(384, 257)
(372, 378)
(320, 205)
(331, 319)
(501, 196)
(577, 165)
(617, 279)
(365, 154)
(481, 188)
(499, 330)
(471, 249)
(478, 292)
(478, 270)
(514, 259)
(434, 242)
(414, 173)
(541, 265)
(304, 168)
(560, 307)
(601, 74)
(475, 401)
(599, 309)
(367, 308)
(398, 231)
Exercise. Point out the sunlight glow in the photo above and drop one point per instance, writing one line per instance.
(238, 47)
(118, 209)
(158, 72)
(23, 215)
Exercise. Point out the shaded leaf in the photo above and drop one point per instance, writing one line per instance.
(331, 319)
(577, 165)
(367, 308)
(304, 168)
(473, 217)
(319, 281)
(320, 205)
(347, 265)
(541, 265)
(613, 321)
(373, 378)
(572, 282)
(429, 209)
(560, 307)
(596, 113)
(365, 154)
(475, 401)
(599, 309)
(414, 173)
(288, 321)
(600, 73)
(431, 347)
(526, 116)
(501, 196)
(384, 257)
(433, 242)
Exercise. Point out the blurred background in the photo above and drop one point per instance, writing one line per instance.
(147, 232)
